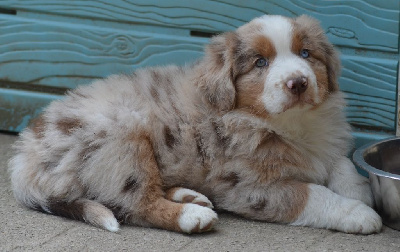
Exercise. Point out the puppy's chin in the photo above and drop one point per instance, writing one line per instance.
(293, 103)
(298, 106)
(299, 103)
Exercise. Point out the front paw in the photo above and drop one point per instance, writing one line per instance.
(361, 219)
(196, 219)
(184, 195)
(326, 209)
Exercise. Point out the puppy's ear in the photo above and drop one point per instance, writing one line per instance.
(215, 72)
(333, 67)
(312, 26)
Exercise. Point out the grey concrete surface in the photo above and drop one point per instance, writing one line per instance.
(22, 229)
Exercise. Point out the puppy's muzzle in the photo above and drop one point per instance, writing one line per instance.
(297, 85)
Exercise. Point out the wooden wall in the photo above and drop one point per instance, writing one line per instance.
(47, 47)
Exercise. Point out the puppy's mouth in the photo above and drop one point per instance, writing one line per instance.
(301, 101)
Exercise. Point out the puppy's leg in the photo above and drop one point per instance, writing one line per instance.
(303, 204)
(326, 209)
(153, 209)
(345, 180)
(183, 195)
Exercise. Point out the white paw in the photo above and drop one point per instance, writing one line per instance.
(189, 196)
(361, 220)
(196, 219)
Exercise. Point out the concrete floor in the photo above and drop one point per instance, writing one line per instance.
(25, 230)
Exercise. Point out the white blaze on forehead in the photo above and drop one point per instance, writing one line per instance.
(278, 30)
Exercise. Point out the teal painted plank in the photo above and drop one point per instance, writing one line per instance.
(362, 138)
(18, 107)
(69, 54)
(371, 86)
(361, 24)
(66, 55)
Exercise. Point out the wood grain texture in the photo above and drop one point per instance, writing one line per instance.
(367, 24)
(18, 107)
(370, 86)
(67, 55)
(64, 43)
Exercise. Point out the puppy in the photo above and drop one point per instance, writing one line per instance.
(256, 128)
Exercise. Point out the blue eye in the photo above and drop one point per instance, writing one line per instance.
(261, 62)
(304, 53)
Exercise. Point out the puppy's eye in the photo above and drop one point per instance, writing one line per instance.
(304, 53)
(261, 62)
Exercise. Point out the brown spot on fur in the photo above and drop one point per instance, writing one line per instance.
(49, 165)
(38, 126)
(201, 152)
(283, 201)
(249, 94)
(67, 125)
(170, 140)
(321, 75)
(232, 178)
(165, 214)
(131, 185)
(155, 75)
(260, 205)
(73, 210)
(294, 200)
(223, 140)
(174, 108)
(102, 134)
(297, 42)
(264, 47)
(154, 94)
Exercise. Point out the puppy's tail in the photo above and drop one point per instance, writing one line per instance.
(84, 210)
(24, 181)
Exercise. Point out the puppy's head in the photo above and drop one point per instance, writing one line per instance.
(270, 65)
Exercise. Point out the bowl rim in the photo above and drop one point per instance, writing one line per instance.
(358, 158)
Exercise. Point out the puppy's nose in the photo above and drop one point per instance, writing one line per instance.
(297, 85)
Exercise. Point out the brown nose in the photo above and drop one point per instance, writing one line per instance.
(297, 85)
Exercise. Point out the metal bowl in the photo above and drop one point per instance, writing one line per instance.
(382, 162)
